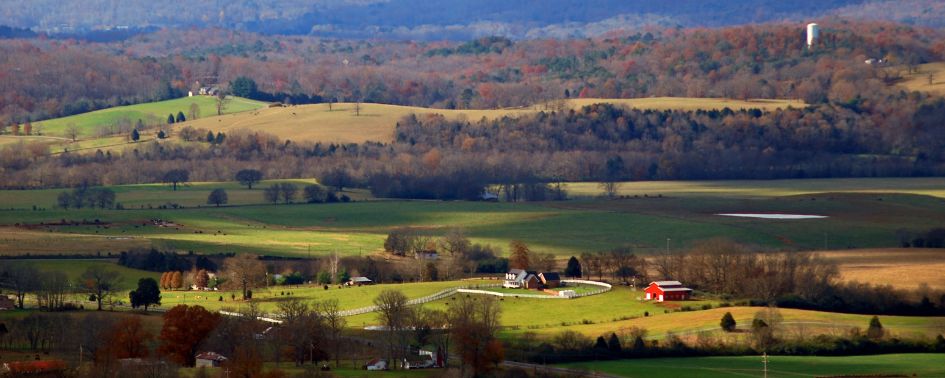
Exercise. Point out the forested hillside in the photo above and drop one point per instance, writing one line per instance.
(44, 79)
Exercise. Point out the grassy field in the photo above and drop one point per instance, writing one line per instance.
(622, 309)
(89, 123)
(376, 121)
(690, 323)
(866, 218)
(74, 269)
(902, 268)
(920, 365)
(269, 298)
(919, 81)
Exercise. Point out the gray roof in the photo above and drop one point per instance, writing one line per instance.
(666, 283)
(673, 289)
(360, 279)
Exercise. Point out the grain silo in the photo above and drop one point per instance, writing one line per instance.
(813, 33)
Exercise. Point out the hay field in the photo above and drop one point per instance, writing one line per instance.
(376, 121)
(928, 186)
(919, 81)
(904, 268)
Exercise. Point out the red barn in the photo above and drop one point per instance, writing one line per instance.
(667, 291)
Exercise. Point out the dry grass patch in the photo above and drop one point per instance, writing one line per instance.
(904, 268)
(919, 81)
(376, 121)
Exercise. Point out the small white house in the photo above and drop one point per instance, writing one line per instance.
(376, 364)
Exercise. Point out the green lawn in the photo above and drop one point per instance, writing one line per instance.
(922, 365)
(856, 219)
(152, 112)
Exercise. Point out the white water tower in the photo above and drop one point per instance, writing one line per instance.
(813, 34)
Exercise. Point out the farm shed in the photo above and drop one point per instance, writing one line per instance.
(667, 291)
(358, 281)
(376, 364)
(551, 280)
(210, 359)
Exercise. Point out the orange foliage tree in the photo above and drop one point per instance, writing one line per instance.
(127, 339)
(185, 327)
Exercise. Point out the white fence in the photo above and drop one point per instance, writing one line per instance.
(470, 289)
(604, 287)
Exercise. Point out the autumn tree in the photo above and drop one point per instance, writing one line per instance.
(519, 255)
(217, 197)
(100, 282)
(193, 112)
(456, 245)
(201, 278)
(245, 272)
(393, 313)
(474, 324)
(177, 280)
(875, 330)
(128, 339)
(176, 176)
(28, 128)
(146, 295)
(334, 324)
(221, 102)
(249, 177)
(185, 328)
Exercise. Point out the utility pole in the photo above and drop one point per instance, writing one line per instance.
(667, 245)
(764, 360)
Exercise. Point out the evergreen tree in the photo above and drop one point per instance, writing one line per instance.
(161, 134)
(180, 117)
(170, 119)
(614, 343)
(574, 268)
(601, 344)
(210, 138)
(135, 136)
(875, 331)
(220, 138)
(728, 322)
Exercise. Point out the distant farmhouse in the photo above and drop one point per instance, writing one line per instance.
(523, 279)
(667, 291)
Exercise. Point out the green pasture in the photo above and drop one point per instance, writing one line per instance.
(74, 269)
(270, 297)
(544, 316)
(859, 215)
(152, 112)
(920, 365)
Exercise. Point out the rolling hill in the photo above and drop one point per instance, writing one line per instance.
(376, 122)
(89, 124)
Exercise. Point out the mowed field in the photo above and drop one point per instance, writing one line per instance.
(89, 123)
(887, 365)
(376, 122)
(919, 81)
(680, 212)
